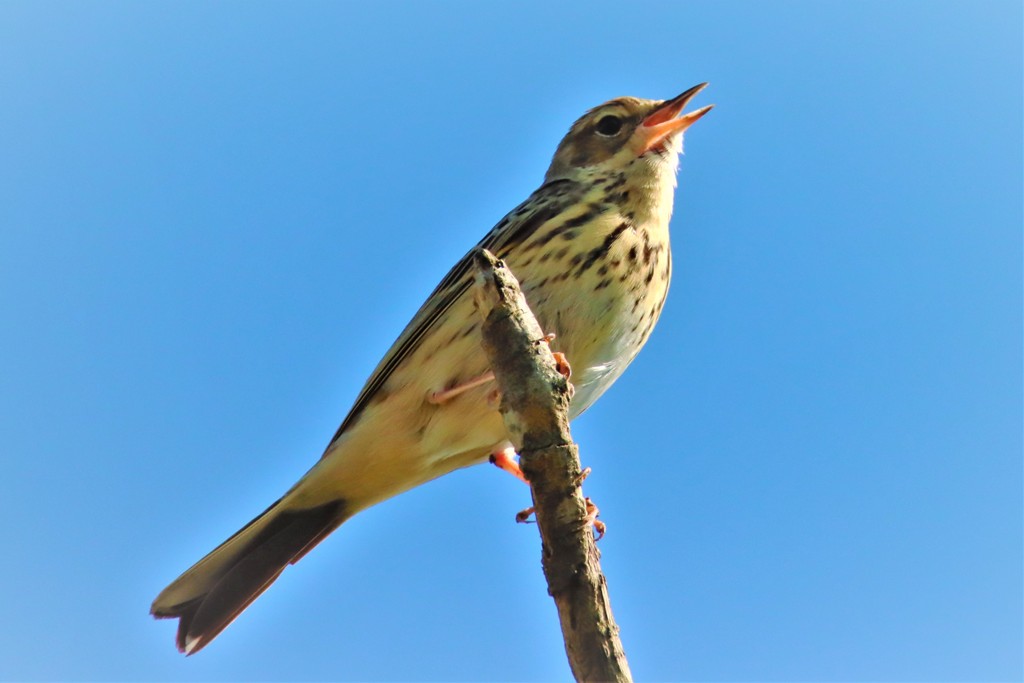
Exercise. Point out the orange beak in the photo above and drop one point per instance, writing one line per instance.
(662, 124)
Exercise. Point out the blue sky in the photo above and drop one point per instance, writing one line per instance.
(215, 217)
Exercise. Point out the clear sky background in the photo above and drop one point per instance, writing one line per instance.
(215, 218)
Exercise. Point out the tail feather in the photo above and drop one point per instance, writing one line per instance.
(208, 597)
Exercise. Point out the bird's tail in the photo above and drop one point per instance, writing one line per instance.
(211, 594)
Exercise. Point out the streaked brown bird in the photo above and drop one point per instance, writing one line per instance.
(591, 249)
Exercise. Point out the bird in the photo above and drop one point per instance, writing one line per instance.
(590, 248)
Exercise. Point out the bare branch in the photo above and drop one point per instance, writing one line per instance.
(534, 405)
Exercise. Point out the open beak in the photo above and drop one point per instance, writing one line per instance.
(661, 124)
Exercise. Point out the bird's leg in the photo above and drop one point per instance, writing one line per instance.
(504, 459)
(523, 517)
(561, 362)
(592, 520)
(445, 395)
(494, 396)
(592, 510)
(562, 365)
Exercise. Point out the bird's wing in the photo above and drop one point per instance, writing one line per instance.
(550, 200)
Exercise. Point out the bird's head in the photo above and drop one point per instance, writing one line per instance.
(626, 133)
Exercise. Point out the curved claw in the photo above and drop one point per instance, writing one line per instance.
(561, 362)
(523, 516)
(592, 513)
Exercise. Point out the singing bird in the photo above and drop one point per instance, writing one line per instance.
(591, 250)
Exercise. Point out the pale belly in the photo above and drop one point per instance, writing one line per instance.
(604, 317)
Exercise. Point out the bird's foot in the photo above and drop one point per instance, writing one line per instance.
(523, 517)
(592, 520)
(562, 365)
(438, 397)
(592, 510)
(561, 362)
(504, 459)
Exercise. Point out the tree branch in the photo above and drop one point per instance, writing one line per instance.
(534, 405)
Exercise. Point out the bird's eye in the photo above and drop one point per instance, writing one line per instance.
(609, 126)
